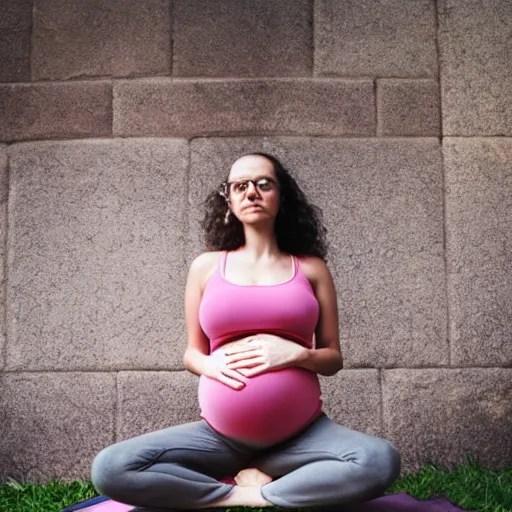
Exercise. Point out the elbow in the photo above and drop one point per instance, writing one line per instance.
(186, 360)
(193, 361)
(337, 366)
(333, 368)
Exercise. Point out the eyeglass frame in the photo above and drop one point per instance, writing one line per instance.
(225, 187)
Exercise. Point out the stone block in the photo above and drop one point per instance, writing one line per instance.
(479, 254)
(150, 401)
(408, 107)
(242, 38)
(54, 424)
(474, 44)
(352, 399)
(376, 38)
(383, 206)
(4, 191)
(55, 110)
(443, 415)
(4, 176)
(95, 271)
(15, 25)
(79, 38)
(190, 108)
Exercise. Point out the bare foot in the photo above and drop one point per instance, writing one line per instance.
(242, 496)
(252, 477)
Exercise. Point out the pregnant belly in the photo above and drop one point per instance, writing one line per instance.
(270, 408)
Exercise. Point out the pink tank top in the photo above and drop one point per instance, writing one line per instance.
(275, 405)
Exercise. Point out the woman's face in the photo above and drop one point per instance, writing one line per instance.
(253, 191)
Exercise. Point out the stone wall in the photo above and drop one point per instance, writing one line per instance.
(117, 117)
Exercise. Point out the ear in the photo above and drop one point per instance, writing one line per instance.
(223, 192)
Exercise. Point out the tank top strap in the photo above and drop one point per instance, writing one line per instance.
(299, 273)
(222, 263)
(295, 266)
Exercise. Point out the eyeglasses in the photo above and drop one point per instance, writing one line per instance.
(241, 186)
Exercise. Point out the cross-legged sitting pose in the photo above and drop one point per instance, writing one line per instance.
(262, 323)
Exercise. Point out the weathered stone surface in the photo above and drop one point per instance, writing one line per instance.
(242, 38)
(475, 40)
(188, 108)
(4, 191)
(479, 254)
(444, 414)
(150, 401)
(96, 273)
(15, 24)
(76, 38)
(37, 111)
(352, 399)
(384, 38)
(408, 107)
(383, 207)
(54, 424)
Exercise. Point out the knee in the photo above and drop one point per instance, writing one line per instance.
(106, 470)
(386, 462)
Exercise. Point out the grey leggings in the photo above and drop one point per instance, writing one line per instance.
(180, 467)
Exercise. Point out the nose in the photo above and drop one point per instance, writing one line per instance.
(252, 190)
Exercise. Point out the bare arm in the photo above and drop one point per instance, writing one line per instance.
(326, 358)
(196, 358)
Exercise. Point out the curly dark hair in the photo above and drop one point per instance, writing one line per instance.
(299, 224)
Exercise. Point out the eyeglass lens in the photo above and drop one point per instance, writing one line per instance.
(263, 184)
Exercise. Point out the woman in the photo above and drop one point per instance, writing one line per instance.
(262, 322)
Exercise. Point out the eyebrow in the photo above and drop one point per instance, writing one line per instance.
(255, 179)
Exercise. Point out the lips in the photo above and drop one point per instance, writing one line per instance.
(252, 207)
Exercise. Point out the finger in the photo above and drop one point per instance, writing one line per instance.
(233, 374)
(232, 383)
(255, 370)
(236, 349)
(241, 341)
(250, 354)
(247, 363)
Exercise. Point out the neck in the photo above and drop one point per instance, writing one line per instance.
(260, 241)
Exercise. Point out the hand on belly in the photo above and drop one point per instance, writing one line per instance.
(260, 353)
(215, 368)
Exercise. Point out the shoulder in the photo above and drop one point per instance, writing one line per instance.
(205, 260)
(203, 266)
(312, 264)
(315, 269)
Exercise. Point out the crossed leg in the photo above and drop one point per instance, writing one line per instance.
(177, 467)
(180, 467)
(326, 464)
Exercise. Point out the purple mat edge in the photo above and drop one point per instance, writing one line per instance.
(399, 502)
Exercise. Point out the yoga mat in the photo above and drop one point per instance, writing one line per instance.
(99, 504)
(401, 502)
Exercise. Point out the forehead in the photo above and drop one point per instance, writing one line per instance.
(250, 167)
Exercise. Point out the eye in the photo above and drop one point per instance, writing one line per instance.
(265, 184)
(240, 186)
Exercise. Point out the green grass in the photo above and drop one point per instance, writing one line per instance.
(52, 497)
(469, 485)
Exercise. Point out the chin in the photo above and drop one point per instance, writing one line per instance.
(255, 218)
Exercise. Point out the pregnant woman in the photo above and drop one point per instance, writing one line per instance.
(262, 323)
